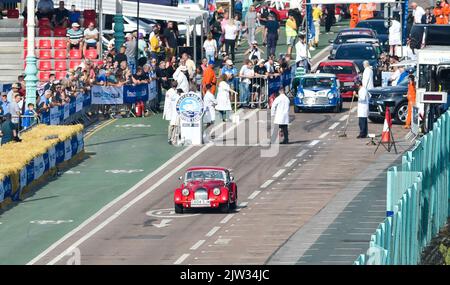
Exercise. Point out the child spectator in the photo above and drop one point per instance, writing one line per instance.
(30, 115)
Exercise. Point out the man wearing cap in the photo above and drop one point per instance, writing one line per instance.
(14, 90)
(75, 37)
(130, 51)
(231, 72)
(15, 110)
(61, 16)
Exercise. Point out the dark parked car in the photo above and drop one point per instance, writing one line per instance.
(359, 52)
(348, 34)
(378, 25)
(395, 93)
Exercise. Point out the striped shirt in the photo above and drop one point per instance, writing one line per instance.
(75, 36)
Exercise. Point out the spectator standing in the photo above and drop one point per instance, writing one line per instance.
(75, 37)
(142, 50)
(210, 102)
(91, 38)
(204, 64)
(167, 114)
(171, 40)
(329, 17)
(291, 33)
(30, 115)
(231, 32)
(317, 16)
(121, 56)
(411, 95)
(280, 114)
(174, 117)
(210, 47)
(395, 36)
(14, 90)
(428, 18)
(363, 111)
(45, 9)
(15, 110)
(209, 78)
(367, 78)
(238, 6)
(417, 13)
(223, 98)
(246, 4)
(74, 15)
(302, 53)
(250, 24)
(181, 76)
(231, 72)
(258, 82)
(190, 64)
(61, 16)
(440, 14)
(216, 30)
(354, 15)
(130, 51)
(245, 74)
(272, 31)
(155, 45)
(4, 103)
(7, 130)
(238, 24)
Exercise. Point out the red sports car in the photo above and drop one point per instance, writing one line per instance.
(278, 8)
(206, 187)
(347, 73)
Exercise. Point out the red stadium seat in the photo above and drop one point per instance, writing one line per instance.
(60, 54)
(74, 63)
(60, 75)
(44, 75)
(45, 32)
(59, 32)
(45, 54)
(75, 53)
(60, 65)
(13, 14)
(45, 44)
(45, 65)
(44, 23)
(90, 54)
(60, 44)
(89, 14)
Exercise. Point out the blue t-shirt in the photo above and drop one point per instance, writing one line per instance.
(74, 16)
(28, 121)
(272, 27)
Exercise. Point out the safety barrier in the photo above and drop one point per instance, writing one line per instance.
(68, 112)
(42, 151)
(417, 201)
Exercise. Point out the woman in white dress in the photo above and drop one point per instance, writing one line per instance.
(395, 36)
(223, 97)
(181, 76)
(209, 101)
(167, 114)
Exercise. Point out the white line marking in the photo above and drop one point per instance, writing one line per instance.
(226, 219)
(333, 126)
(302, 153)
(324, 135)
(212, 231)
(243, 204)
(129, 204)
(279, 172)
(314, 142)
(197, 244)
(182, 258)
(290, 163)
(353, 109)
(343, 118)
(267, 183)
(254, 194)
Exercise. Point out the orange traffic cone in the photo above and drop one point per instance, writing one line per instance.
(386, 134)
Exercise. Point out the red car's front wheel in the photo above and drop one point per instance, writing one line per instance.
(178, 209)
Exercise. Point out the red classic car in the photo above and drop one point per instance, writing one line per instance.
(347, 73)
(278, 8)
(206, 187)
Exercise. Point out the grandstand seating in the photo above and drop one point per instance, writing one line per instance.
(91, 53)
(60, 75)
(44, 75)
(12, 14)
(60, 44)
(74, 63)
(60, 54)
(45, 54)
(59, 32)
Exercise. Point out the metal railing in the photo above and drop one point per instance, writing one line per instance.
(417, 200)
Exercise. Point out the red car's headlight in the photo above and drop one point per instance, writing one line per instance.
(216, 191)
(185, 192)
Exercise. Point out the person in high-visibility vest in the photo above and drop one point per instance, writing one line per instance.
(411, 95)
(366, 11)
(439, 13)
(446, 8)
(354, 15)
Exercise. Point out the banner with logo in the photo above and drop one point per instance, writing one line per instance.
(133, 93)
(54, 116)
(274, 85)
(67, 150)
(107, 95)
(79, 102)
(39, 167)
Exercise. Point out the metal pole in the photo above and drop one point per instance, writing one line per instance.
(195, 40)
(119, 37)
(31, 69)
(137, 40)
(202, 35)
(100, 27)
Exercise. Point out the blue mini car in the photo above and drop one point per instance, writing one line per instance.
(318, 91)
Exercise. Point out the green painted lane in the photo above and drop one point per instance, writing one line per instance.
(119, 155)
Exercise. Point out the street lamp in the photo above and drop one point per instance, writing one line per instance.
(31, 69)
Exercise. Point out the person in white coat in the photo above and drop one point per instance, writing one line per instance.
(280, 114)
(181, 76)
(363, 111)
(223, 97)
(395, 36)
(167, 114)
(367, 78)
(209, 101)
(174, 117)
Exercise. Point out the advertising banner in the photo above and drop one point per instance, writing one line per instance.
(133, 93)
(54, 116)
(107, 95)
(79, 102)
